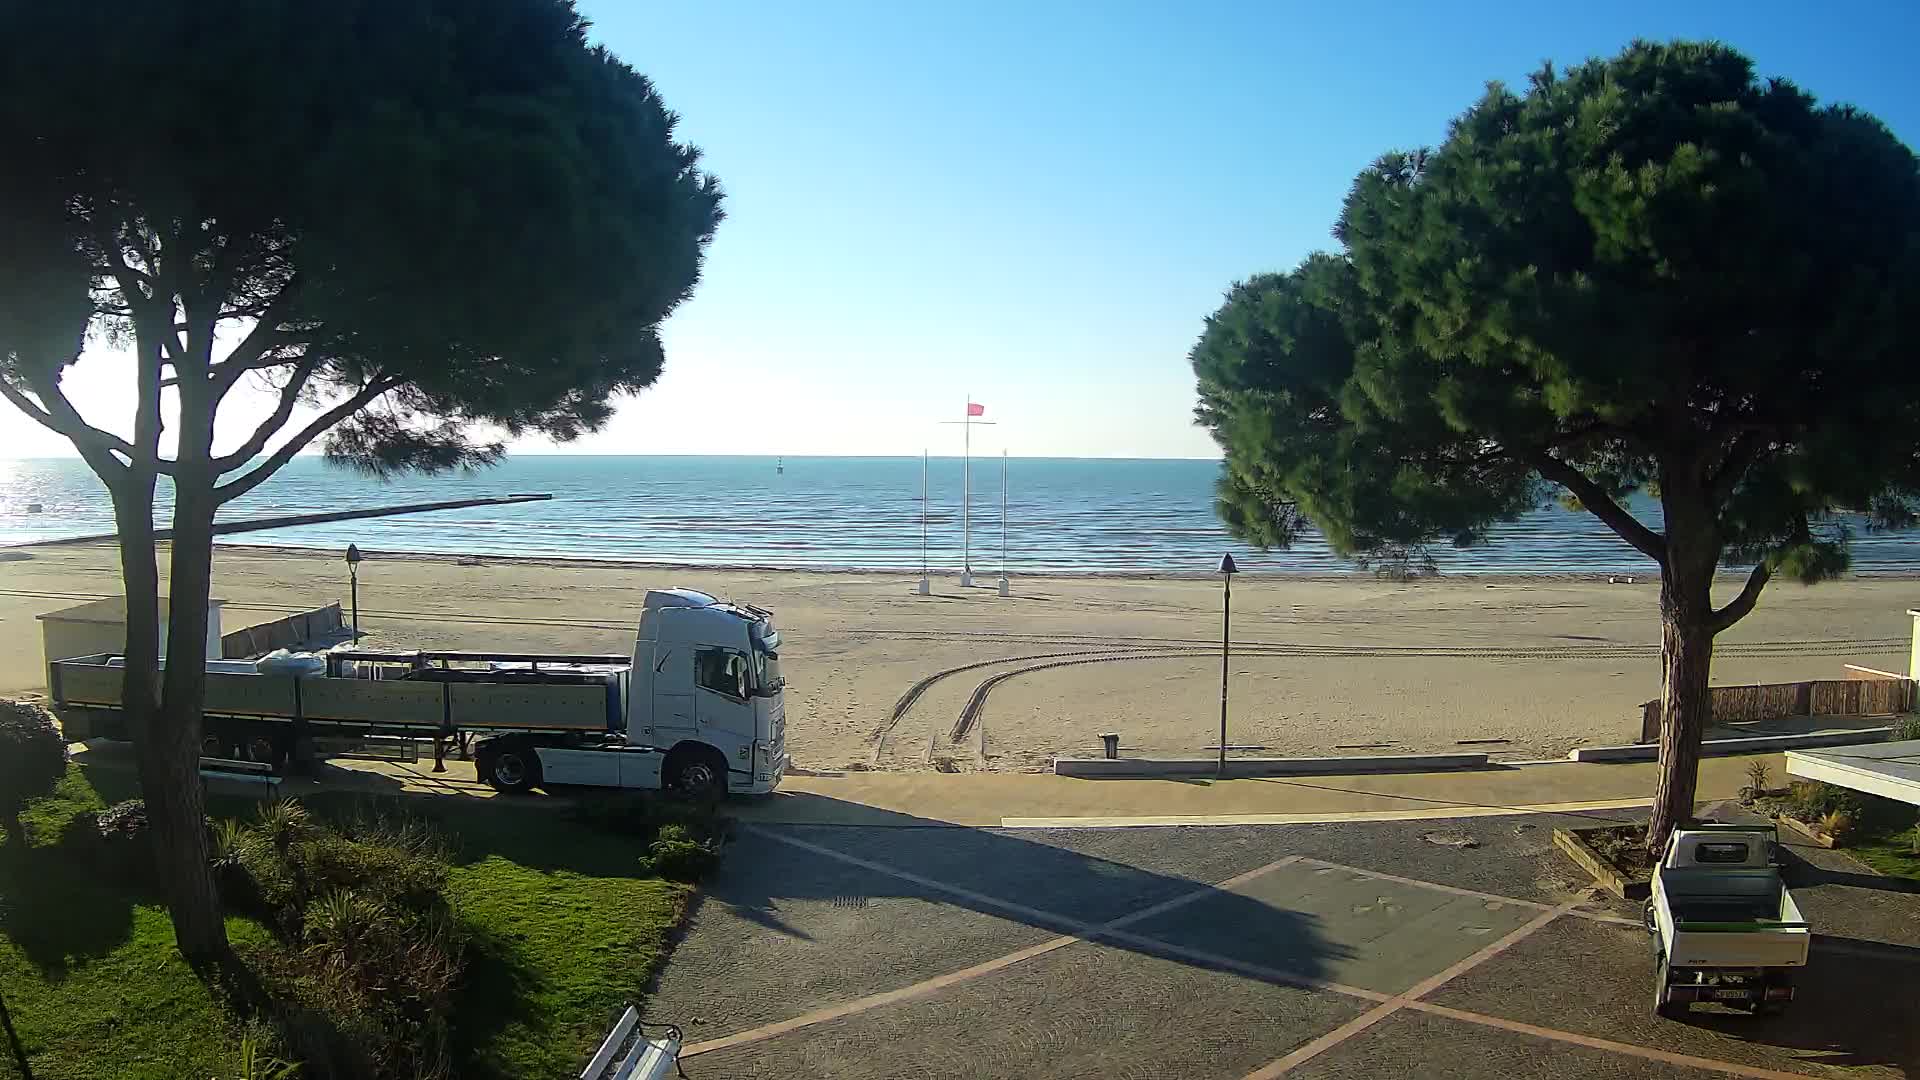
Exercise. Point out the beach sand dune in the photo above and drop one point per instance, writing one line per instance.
(1322, 666)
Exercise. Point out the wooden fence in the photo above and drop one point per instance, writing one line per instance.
(263, 638)
(1864, 692)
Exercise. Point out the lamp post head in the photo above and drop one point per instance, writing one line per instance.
(353, 555)
(1227, 568)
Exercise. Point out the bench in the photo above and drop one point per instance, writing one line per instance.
(246, 772)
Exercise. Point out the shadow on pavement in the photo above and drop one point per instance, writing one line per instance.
(1004, 876)
(1837, 1018)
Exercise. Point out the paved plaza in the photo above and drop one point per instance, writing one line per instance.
(1458, 948)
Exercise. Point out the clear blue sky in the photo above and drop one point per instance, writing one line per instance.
(1038, 203)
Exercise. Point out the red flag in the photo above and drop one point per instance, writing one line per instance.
(976, 410)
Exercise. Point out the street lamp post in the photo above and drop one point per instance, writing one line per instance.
(353, 576)
(1226, 571)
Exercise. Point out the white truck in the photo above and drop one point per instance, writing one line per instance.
(698, 708)
(1723, 924)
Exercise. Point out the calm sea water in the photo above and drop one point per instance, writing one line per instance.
(1075, 515)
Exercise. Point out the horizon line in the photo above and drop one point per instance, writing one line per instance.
(689, 454)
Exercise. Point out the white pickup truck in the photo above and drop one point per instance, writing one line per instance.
(699, 706)
(1723, 924)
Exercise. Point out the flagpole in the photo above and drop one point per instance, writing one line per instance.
(966, 497)
(926, 585)
(1005, 587)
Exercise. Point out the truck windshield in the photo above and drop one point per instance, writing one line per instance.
(767, 680)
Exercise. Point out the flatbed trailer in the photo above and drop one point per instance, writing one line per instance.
(699, 706)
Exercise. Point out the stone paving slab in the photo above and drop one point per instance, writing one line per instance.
(780, 932)
(1854, 1012)
(1510, 856)
(1009, 865)
(1414, 1046)
(1336, 925)
(1085, 1011)
(1841, 896)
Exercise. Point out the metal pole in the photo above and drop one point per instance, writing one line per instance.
(1003, 511)
(923, 512)
(353, 575)
(966, 494)
(1226, 648)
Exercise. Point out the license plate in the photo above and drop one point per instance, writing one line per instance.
(1730, 995)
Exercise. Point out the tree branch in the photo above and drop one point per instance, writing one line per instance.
(1599, 504)
(258, 475)
(1741, 454)
(60, 417)
(289, 397)
(264, 336)
(1739, 606)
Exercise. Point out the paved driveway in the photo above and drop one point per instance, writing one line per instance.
(1311, 951)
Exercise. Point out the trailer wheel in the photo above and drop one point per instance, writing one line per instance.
(695, 772)
(217, 742)
(264, 747)
(512, 768)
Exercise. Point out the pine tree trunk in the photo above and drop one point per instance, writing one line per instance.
(178, 817)
(1686, 705)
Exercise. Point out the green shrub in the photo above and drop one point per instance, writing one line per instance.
(1906, 727)
(677, 855)
(644, 815)
(33, 758)
(681, 860)
(1813, 800)
(283, 823)
(124, 850)
(372, 956)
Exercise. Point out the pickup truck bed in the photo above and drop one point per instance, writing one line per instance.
(1725, 927)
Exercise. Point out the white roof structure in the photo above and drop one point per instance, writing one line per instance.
(1890, 770)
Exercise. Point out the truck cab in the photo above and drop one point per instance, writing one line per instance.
(706, 690)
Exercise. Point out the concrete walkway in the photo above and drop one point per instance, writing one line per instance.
(1034, 800)
(1042, 800)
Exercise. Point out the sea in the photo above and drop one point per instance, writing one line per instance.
(1052, 515)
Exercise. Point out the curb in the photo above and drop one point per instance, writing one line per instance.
(1723, 747)
(1807, 831)
(1147, 768)
(1569, 842)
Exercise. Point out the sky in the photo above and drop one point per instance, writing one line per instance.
(1035, 205)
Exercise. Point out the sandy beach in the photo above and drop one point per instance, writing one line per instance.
(1521, 667)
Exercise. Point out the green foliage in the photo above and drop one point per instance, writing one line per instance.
(1813, 800)
(372, 956)
(33, 758)
(677, 856)
(647, 815)
(1906, 727)
(475, 207)
(1651, 271)
(1758, 777)
(557, 924)
(257, 1064)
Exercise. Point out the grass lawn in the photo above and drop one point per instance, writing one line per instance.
(565, 932)
(1890, 855)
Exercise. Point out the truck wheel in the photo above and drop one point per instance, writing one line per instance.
(695, 773)
(512, 769)
(1662, 1008)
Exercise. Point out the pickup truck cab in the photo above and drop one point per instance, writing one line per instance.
(1723, 924)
